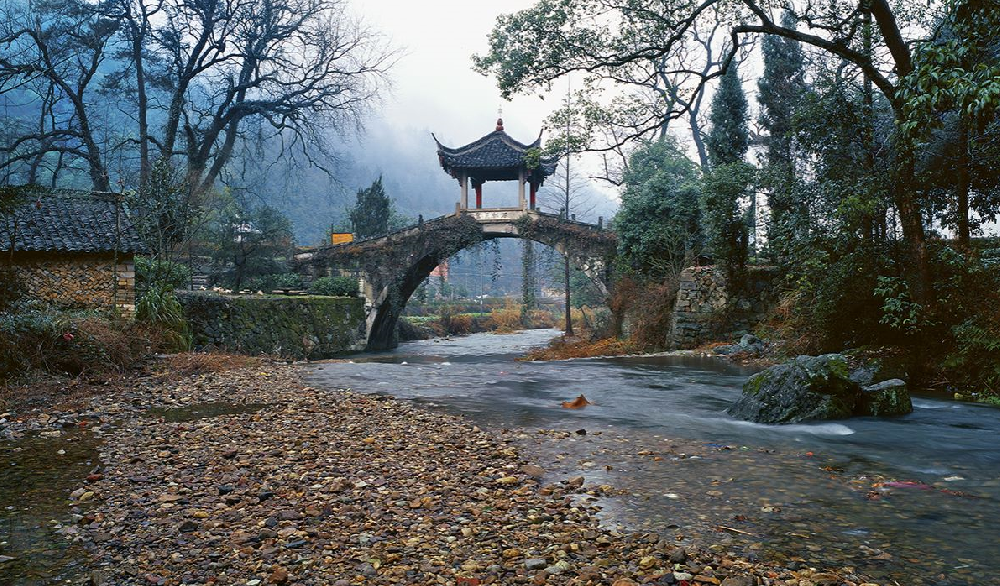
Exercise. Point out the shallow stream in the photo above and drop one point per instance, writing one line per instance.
(913, 499)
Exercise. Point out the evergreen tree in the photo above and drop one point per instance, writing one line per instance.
(372, 211)
(780, 89)
(728, 139)
(727, 182)
(659, 223)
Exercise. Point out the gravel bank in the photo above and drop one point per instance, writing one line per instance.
(340, 488)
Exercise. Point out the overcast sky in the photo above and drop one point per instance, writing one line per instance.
(435, 86)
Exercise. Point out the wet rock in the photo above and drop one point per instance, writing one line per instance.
(886, 398)
(727, 349)
(804, 389)
(575, 482)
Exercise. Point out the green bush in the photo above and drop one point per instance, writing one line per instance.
(335, 287)
(164, 274)
(274, 281)
(26, 334)
(158, 306)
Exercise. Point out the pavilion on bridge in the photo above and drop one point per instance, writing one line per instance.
(497, 157)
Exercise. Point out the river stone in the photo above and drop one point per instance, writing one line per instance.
(804, 389)
(886, 398)
(727, 349)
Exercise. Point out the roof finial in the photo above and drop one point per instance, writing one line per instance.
(500, 118)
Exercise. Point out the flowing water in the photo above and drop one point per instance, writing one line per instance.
(914, 499)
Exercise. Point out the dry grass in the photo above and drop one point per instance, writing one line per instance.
(506, 320)
(562, 349)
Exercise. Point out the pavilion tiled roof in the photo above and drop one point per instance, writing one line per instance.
(492, 153)
(70, 221)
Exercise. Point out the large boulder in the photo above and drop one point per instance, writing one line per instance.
(884, 399)
(803, 389)
(817, 387)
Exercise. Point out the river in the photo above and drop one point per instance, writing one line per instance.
(913, 499)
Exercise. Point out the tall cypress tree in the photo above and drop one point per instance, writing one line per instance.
(780, 89)
(728, 180)
(728, 139)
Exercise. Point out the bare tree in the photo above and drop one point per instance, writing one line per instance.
(648, 95)
(205, 75)
(51, 54)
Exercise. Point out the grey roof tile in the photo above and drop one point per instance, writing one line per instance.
(68, 221)
(495, 151)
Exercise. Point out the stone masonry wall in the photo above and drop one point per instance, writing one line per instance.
(297, 328)
(700, 298)
(705, 312)
(79, 281)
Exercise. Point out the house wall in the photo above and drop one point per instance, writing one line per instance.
(79, 281)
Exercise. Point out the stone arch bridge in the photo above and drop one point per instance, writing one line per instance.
(393, 266)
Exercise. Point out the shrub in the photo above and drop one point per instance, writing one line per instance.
(507, 319)
(33, 338)
(335, 287)
(165, 274)
(159, 307)
(460, 324)
(649, 307)
(273, 281)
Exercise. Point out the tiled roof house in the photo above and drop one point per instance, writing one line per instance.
(73, 249)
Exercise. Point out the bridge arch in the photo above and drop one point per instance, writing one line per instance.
(392, 267)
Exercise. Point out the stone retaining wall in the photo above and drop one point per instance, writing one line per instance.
(79, 281)
(297, 328)
(705, 312)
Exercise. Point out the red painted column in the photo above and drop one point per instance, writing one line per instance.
(479, 196)
(534, 188)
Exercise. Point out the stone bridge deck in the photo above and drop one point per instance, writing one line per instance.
(496, 223)
(391, 267)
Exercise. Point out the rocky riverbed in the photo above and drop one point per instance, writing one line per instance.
(248, 477)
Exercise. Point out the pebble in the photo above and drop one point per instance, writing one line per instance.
(334, 487)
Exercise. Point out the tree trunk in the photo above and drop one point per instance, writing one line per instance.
(569, 313)
(143, 106)
(962, 189)
(913, 231)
